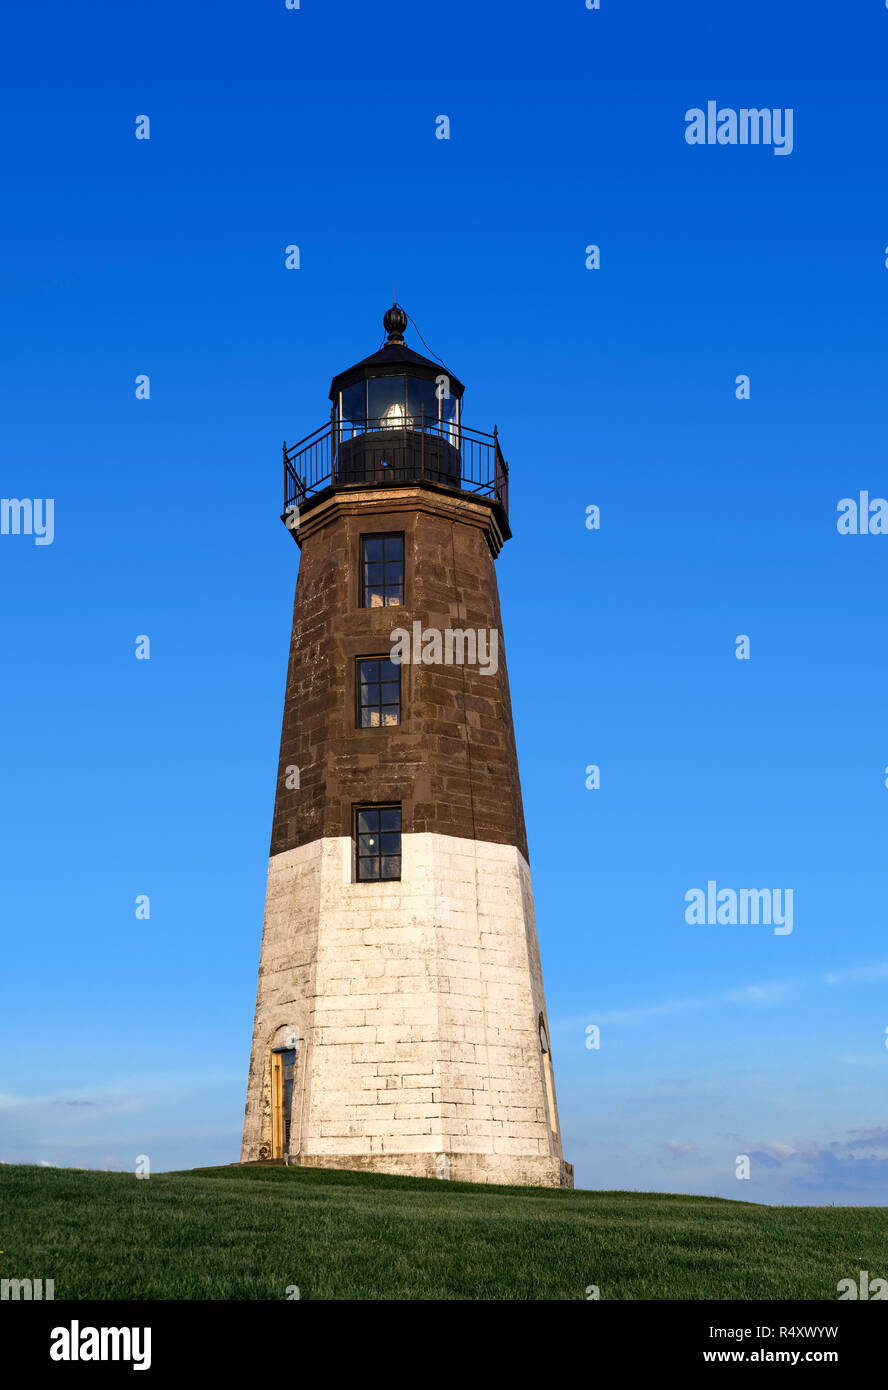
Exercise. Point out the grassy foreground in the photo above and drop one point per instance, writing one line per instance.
(233, 1233)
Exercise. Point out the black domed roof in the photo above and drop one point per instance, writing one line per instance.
(395, 358)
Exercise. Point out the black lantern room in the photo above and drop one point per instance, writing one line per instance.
(397, 415)
(396, 418)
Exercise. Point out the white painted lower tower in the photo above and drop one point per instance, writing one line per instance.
(417, 1013)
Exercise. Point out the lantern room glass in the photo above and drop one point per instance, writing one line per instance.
(399, 402)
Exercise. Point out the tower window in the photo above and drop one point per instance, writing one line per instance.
(379, 693)
(377, 843)
(382, 571)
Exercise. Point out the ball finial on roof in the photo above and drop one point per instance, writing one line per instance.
(394, 322)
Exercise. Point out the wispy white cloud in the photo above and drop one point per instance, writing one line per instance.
(861, 974)
(768, 993)
(107, 1125)
(759, 994)
(676, 1150)
(860, 1161)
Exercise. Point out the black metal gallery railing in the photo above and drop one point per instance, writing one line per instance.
(373, 452)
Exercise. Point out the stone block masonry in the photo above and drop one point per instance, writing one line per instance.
(418, 1006)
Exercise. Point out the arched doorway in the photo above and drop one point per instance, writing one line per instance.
(284, 1047)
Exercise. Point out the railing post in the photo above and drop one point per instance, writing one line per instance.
(332, 444)
(422, 439)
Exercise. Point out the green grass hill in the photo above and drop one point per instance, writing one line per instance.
(258, 1233)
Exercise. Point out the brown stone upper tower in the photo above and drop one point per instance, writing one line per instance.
(400, 1018)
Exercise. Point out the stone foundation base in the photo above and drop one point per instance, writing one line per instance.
(508, 1170)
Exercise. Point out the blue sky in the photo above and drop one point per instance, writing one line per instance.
(615, 387)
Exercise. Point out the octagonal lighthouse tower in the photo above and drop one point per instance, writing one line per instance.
(400, 1019)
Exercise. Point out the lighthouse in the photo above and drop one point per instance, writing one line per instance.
(400, 1022)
